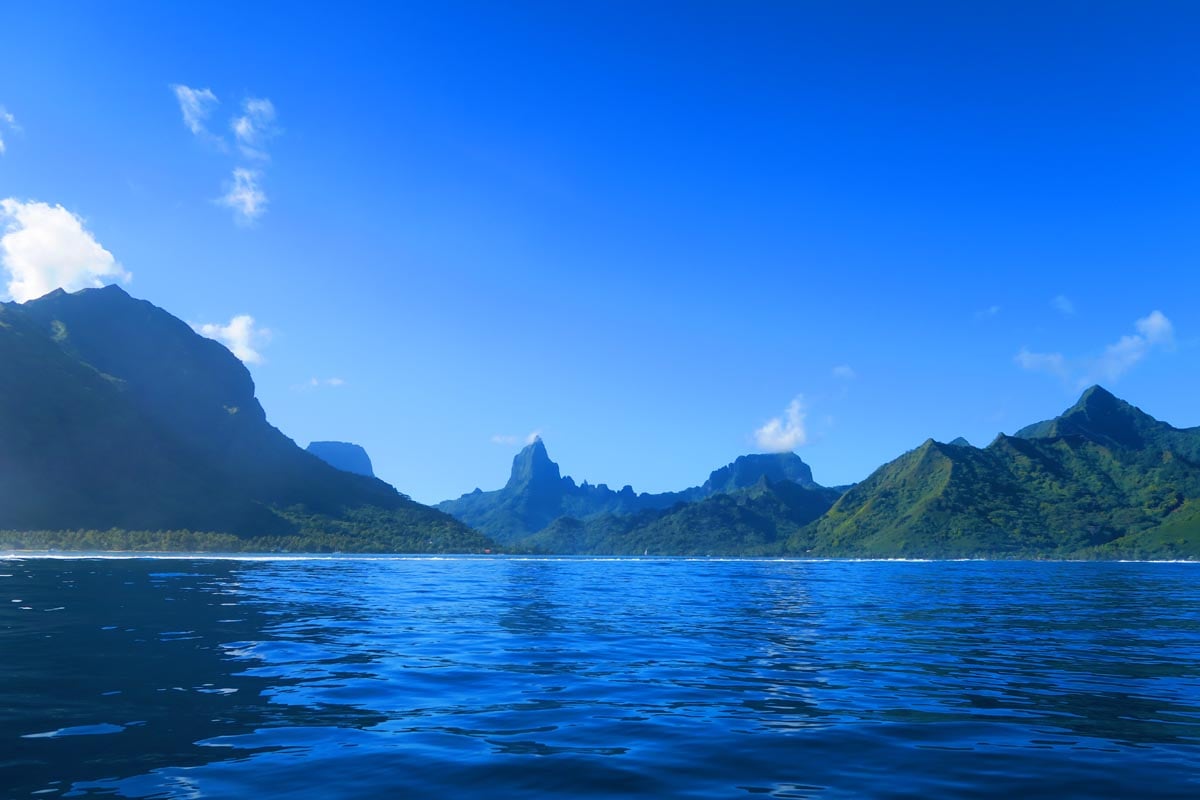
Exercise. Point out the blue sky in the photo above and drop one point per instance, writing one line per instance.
(662, 235)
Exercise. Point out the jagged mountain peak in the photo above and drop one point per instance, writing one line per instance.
(1100, 416)
(533, 467)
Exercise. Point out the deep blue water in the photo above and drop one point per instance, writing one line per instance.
(361, 678)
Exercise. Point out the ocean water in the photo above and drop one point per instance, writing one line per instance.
(511, 677)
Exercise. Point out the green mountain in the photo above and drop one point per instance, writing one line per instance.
(757, 520)
(1104, 479)
(121, 427)
(116, 415)
(537, 494)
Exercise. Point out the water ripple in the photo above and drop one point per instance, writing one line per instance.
(469, 677)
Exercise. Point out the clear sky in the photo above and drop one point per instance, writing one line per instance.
(662, 235)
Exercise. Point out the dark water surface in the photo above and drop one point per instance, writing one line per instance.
(361, 678)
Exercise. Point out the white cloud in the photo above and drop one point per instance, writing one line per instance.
(254, 127)
(46, 247)
(241, 336)
(1051, 363)
(196, 105)
(245, 196)
(7, 121)
(1063, 305)
(1156, 328)
(509, 439)
(844, 372)
(786, 433)
(1154, 331)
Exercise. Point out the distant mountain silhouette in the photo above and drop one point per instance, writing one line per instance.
(344, 456)
(537, 493)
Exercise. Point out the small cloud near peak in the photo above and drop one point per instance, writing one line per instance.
(45, 247)
(1152, 332)
(241, 335)
(784, 433)
(512, 439)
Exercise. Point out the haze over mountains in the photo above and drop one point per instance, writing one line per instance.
(116, 416)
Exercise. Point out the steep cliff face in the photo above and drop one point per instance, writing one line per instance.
(746, 471)
(113, 413)
(344, 456)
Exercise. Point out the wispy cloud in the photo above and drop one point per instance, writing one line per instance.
(245, 196)
(46, 247)
(254, 127)
(1063, 305)
(1050, 363)
(330, 382)
(7, 123)
(784, 433)
(196, 105)
(241, 335)
(508, 439)
(844, 372)
(1152, 332)
(987, 313)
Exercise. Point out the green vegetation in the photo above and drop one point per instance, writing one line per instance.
(756, 521)
(362, 531)
(114, 415)
(1104, 480)
(120, 428)
(537, 495)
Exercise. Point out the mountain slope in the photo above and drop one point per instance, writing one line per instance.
(114, 414)
(537, 493)
(1104, 478)
(755, 520)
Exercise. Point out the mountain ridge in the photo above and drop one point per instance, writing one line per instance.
(1101, 478)
(536, 493)
(116, 414)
